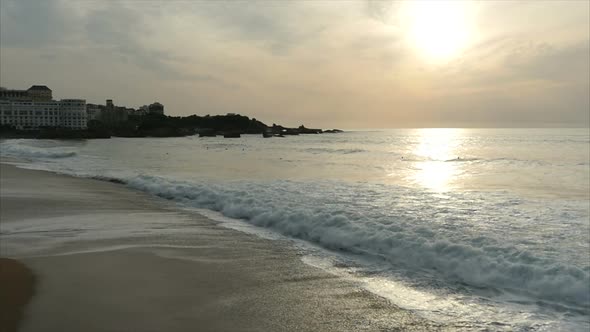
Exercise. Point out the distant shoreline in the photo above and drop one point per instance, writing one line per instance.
(85, 134)
(159, 125)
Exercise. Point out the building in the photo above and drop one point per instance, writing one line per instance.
(142, 110)
(31, 115)
(34, 108)
(93, 111)
(155, 108)
(111, 114)
(35, 93)
(73, 113)
(40, 93)
(13, 94)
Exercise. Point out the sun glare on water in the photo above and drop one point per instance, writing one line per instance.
(439, 29)
(437, 149)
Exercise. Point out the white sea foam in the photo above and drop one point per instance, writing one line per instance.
(21, 149)
(303, 211)
(506, 225)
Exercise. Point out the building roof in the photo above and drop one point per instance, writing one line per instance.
(40, 87)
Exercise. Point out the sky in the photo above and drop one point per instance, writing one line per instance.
(329, 64)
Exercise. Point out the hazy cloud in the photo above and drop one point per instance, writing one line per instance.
(335, 63)
(112, 29)
(384, 11)
(28, 23)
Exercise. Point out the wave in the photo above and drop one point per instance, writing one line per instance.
(458, 159)
(108, 179)
(336, 222)
(503, 160)
(19, 149)
(335, 151)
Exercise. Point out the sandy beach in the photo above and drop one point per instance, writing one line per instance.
(16, 289)
(209, 278)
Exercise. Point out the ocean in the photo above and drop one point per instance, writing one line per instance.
(489, 228)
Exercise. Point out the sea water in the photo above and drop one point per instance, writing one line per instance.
(485, 229)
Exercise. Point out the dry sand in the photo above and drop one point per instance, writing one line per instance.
(222, 280)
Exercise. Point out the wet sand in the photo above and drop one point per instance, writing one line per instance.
(207, 278)
(16, 289)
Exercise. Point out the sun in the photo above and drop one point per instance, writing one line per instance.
(439, 29)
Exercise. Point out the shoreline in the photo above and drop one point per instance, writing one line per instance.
(103, 250)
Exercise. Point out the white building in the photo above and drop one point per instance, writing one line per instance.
(29, 114)
(73, 113)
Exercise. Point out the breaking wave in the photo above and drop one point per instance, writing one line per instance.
(373, 224)
(19, 149)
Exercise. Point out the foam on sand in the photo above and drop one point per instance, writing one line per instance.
(398, 239)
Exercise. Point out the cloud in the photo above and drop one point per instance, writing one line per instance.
(274, 26)
(508, 62)
(569, 63)
(384, 11)
(28, 23)
(327, 61)
(111, 29)
(119, 28)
